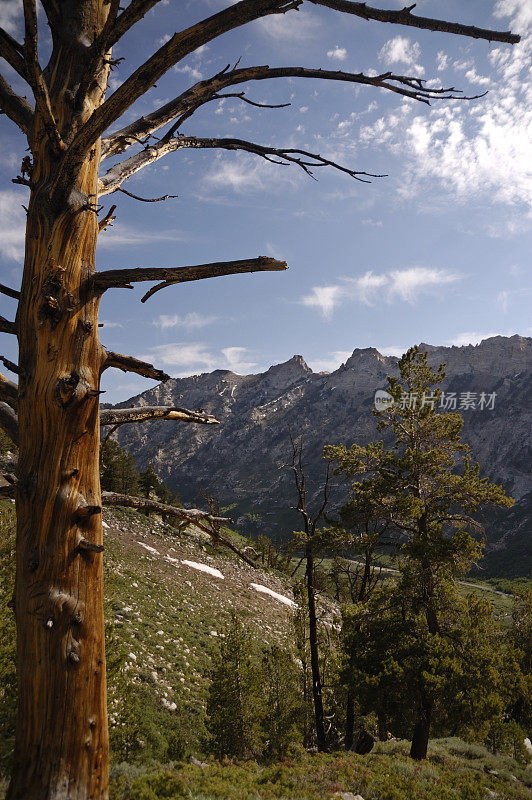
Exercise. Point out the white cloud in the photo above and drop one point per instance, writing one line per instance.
(442, 60)
(242, 173)
(193, 358)
(392, 350)
(479, 150)
(285, 28)
(400, 284)
(10, 14)
(12, 225)
(409, 283)
(368, 284)
(330, 362)
(502, 299)
(337, 53)
(472, 337)
(194, 73)
(401, 50)
(109, 324)
(126, 235)
(188, 321)
(324, 298)
(519, 10)
(236, 362)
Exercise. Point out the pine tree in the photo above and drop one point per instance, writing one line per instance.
(400, 664)
(282, 720)
(425, 487)
(117, 469)
(234, 705)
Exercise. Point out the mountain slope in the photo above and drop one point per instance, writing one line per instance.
(240, 461)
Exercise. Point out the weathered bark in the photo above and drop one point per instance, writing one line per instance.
(61, 748)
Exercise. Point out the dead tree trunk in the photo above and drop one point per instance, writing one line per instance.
(61, 748)
(317, 696)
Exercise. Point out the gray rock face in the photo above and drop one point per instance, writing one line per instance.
(241, 461)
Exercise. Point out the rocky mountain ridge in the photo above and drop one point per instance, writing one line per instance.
(241, 461)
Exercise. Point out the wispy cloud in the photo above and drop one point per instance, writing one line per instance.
(10, 14)
(481, 149)
(109, 324)
(331, 362)
(192, 72)
(193, 358)
(324, 298)
(12, 225)
(473, 337)
(392, 350)
(285, 28)
(241, 174)
(125, 235)
(189, 321)
(399, 284)
(402, 50)
(337, 53)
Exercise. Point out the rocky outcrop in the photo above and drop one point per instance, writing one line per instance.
(241, 461)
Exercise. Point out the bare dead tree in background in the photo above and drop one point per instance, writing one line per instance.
(61, 746)
(312, 541)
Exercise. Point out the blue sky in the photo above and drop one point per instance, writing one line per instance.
(436, 252)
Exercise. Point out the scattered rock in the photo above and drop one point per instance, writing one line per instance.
(198, 763)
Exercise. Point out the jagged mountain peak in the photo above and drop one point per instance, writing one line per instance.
(239, 459)
(294, 366)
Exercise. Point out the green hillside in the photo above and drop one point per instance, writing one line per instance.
(165, 620)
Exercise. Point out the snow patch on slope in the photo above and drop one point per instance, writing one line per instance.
(151, 549)
(264, 590)
(204, 568)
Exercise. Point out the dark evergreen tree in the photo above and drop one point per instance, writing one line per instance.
(235, 701)
(282, 720)
(426, 488)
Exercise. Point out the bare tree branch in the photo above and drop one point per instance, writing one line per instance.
(219, 539)
(201, 519)
(130, 364)
(193, 515)
(118, 26)
(7, 327)
(8, 392)
(207, 90)
(36, 78)
(143, 78)
(9, 421)
(10, 365)
(120, 172)
(18, 109)
(405, 17)
(123, 278)
(123, 416)
(12, 51)
(148, 199)
(9, 292)
(108, 220)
